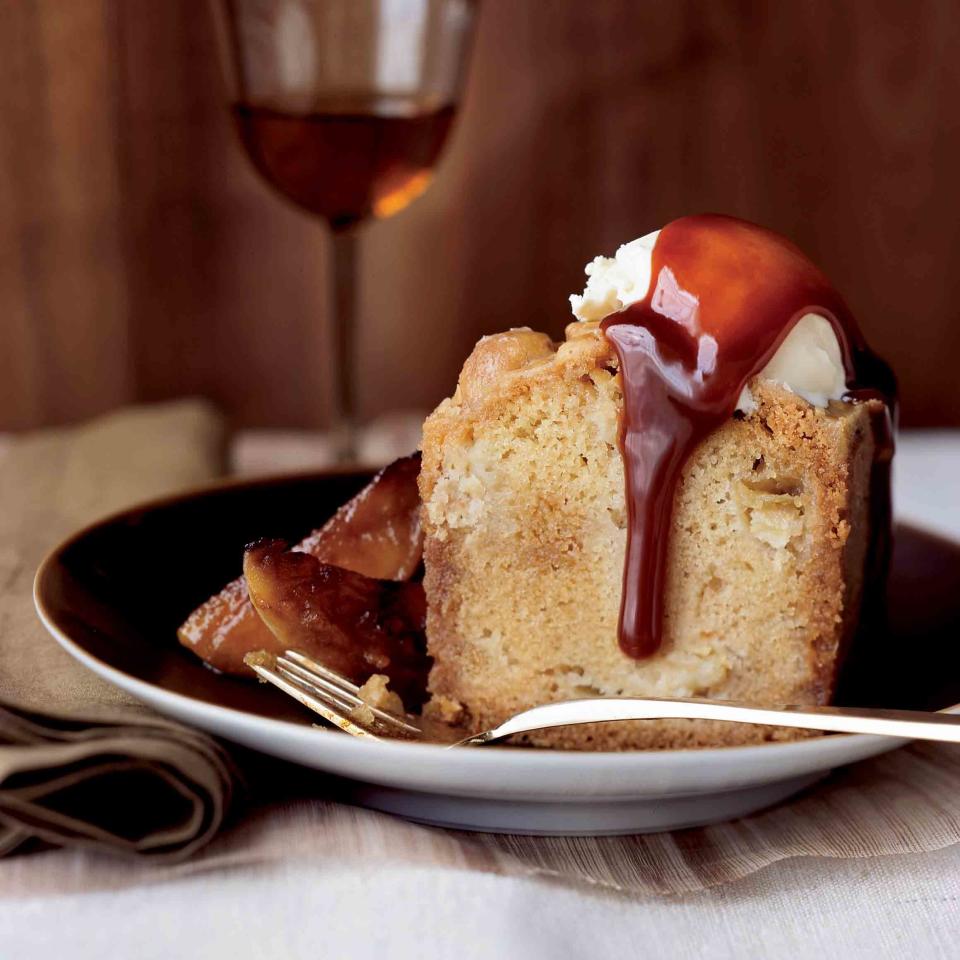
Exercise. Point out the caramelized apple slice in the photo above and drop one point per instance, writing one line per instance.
(377, 534)
(224, 628)
(353, 624)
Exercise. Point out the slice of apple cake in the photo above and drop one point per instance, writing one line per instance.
(526, 515)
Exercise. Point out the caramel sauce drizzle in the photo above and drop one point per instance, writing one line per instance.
(723, 296)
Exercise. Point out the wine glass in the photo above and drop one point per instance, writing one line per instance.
(344, 106)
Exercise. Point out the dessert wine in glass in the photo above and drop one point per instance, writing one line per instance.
(344, 107)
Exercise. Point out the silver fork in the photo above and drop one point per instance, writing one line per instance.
(337, 700)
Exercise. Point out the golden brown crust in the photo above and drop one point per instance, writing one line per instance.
(524, 513)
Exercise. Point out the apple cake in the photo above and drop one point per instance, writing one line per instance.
(525, 520)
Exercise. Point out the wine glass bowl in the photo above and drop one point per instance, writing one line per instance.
(347, 161)
(344, 107)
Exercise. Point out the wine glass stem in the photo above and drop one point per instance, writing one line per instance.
(344, 312)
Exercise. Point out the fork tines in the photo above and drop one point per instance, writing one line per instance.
(330, 694)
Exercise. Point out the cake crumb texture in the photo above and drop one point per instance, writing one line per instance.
(526, 524)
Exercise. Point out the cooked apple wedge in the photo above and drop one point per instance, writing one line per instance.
(377, 534)
(354, 624)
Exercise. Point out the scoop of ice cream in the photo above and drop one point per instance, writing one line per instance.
(615, 282)
(808, 362)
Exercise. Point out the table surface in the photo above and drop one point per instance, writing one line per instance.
(816, 908)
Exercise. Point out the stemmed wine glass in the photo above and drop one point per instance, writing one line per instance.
(344, 106)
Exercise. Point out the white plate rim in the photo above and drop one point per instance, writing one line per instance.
(462, 771)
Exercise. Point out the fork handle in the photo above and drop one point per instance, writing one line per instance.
(908, 724)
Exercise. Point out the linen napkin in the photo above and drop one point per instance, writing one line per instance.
(82, 763)
(907, 802)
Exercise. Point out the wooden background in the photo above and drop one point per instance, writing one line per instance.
(140, 258)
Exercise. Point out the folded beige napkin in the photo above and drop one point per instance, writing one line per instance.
(82, 763)
(907, 802)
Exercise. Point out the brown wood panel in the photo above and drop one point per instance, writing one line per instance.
(63, 314)
(141, 258)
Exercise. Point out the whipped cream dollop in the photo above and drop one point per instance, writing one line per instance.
(808, 362)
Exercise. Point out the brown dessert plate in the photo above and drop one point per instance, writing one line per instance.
(115, 593)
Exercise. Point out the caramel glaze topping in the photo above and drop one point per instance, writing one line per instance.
(723, 296)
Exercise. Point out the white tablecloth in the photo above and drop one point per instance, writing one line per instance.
(879, 908)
